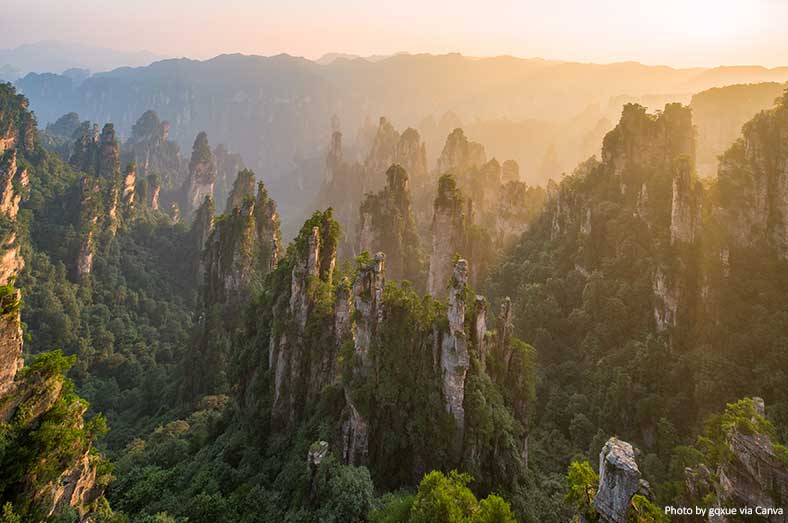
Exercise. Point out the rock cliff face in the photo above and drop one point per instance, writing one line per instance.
(242, 245)
(649, 160)
(297, 378)
(27, 396)
(687, 196)
(460, 155)
(753, 471)
(753, 182)
(455, 358)
(150, 148)
(619, 481)
(90, 211)
(129, 186)
(449, 232)
(202, 174)
(387, 224)
(228, 165)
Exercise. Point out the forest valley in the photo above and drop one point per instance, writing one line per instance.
(436, 343)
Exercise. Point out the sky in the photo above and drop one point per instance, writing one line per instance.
(680, 33)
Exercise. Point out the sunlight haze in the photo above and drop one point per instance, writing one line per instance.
(670, 32)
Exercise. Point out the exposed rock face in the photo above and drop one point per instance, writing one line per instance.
(455, 358)
(411, 154)
(387, 224)
(242, 245)
(76, 487)
(90, 209)
(355, 435)
(154, 190)
(13, 183)
(460, 155)
(27, 396)
(108, 154)
(201, 229)
(228, 165)
(202, 174)
(368, 304)
(129, 185)
(10, 341)
(448, 235)
(333, 156)
(666, 300)
(243, 189)
(642, 140)
(753, 182)
(13, 186)
(685, 205)
(298, 378)
(381, 154)
(754, 475)
(619, 480)
(151, 150)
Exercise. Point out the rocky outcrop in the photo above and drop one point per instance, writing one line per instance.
(151, 150)
(10, 339)
(241, 246)
(243, 189)
(666, 299)
(13, 184)
(90, 210)
(40, 392)
(297, 377)
(108, 154)
(387, 224)
(753, 182)
(381, 154)
(202, 174)
(201, 230)
(448, 235)
(368, 306)
(333, 156)
(754, 472)
(411, 154)
(129, 185)
(619, 481)
(460, 154)
(228, 165)
(685, 204)
(455, 358)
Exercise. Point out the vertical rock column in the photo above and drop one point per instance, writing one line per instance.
(454, 353)
(368, 305)
(448, 235)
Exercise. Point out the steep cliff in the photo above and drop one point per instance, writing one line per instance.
(753, 182)
(151, 149)
(387, 224)
(47, 461)
(460, 155)
(202, 175)
(744, 464)
(449, 234)
(242, 245)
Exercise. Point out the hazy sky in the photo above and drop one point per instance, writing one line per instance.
(674, 32)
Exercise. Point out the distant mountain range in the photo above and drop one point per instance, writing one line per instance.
(54, 57)
(277, 111)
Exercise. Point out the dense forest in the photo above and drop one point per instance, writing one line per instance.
(435, 341)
